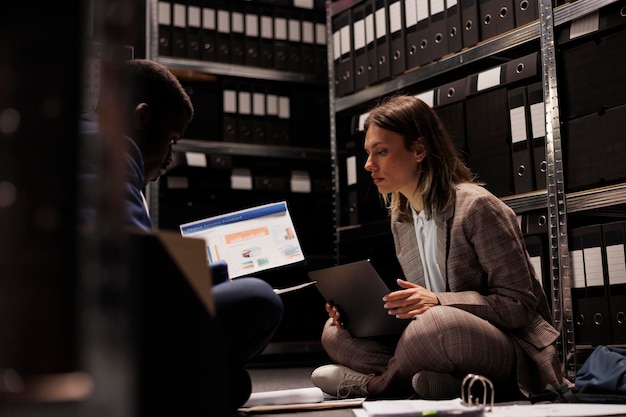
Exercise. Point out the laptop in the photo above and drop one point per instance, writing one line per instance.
(358, 290)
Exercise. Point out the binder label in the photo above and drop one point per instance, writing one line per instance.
(359, 34)
(436, 6)
(196, 159)
(395, 17)
(410, 13)
(616, 264)
(381, 23)
(193, 16)
(577, 269)
(252, 26)
(584, 25)
(537, 120)
(427, 97)
(351, 170)
(208, 19)
(280, 28)
(223, 21)
(488, 79)
(518, 124)
(179, 15)
(593, 267)
(165, 15)
(422, 10)
(237, 22)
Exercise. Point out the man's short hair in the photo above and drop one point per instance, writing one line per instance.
(149, 82)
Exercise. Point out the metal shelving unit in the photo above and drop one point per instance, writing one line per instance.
(264, 151)
(231, 70)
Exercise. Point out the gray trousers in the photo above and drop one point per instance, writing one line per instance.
(443, 339)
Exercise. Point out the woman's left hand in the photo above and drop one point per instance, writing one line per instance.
(411, 301)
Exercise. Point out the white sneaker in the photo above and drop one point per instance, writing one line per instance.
(341, 381)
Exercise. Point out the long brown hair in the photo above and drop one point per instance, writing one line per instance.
(441, 169)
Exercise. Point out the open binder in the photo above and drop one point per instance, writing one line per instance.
(477, 397)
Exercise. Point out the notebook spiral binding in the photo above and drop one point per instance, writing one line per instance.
(488, 393)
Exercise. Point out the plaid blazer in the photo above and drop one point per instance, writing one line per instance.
(488, 272)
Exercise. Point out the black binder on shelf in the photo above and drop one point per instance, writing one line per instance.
(370, 40)
(350, 183)
(525, 12)
(252, 35)
(337, 21)
(521, 150)
(280, 39)
(222, 34)
(345, 68)
(381, 15)
(273, 129)
(259, 114)
(244, 113)
(496, 17)
(294, 40)
(522, 68)
(505, 10)
(266, 37)
(410, 37)
(487, 124)
(438, 30)
(360, 200)
(578, 287)
(396, 36)
(595, 305)
(321, 48)
(208, 34)
(595, 149)
(615, 271)
(488, 19)
(582, 90)
(360, 47)
(279, 112)
(309, 56)
(194, 29)
(486, 80)
(450, 108)
(470, 23)
(237, 34)
(419, 40)
(537, 110)
(179, 29)
(164, 17)
(454, 26)
(608, 17)
(229, 112)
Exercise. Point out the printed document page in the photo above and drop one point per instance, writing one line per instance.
(249, 240)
